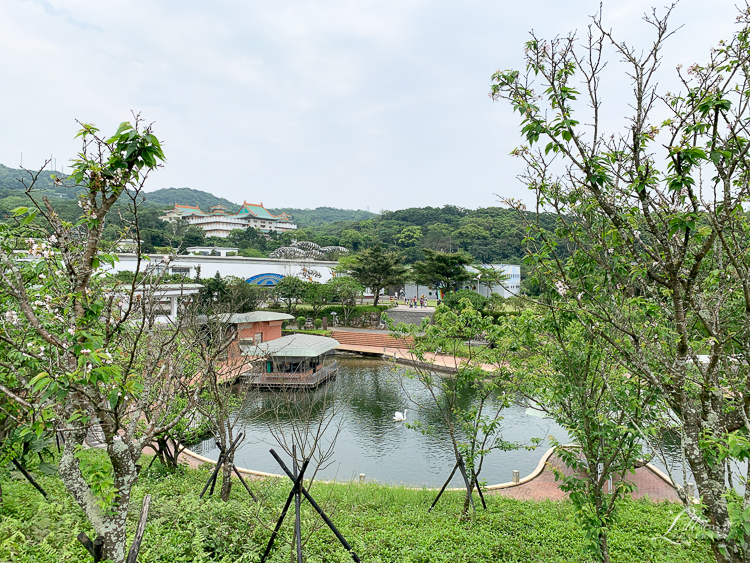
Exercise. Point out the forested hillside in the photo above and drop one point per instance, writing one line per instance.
(489, 235)
(10, 184)
(167, 197)
(323, 215)
(164, 198)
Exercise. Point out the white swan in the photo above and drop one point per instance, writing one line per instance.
(400, 416)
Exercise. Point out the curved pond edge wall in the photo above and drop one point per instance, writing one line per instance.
(530, 477)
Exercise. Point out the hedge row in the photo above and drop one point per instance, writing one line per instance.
(358, 311)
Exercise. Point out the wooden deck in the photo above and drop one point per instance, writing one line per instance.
(437, 362)
(302, 380)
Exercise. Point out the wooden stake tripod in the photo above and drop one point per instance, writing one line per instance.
(28, 476)
(296, 493)
(460, 465)
(224, 459)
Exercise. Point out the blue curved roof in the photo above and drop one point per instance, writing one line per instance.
(265, 279)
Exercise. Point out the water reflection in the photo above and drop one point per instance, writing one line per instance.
(364, 397)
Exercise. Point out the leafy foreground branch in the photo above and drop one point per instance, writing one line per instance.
(382, 523)
(653, 223)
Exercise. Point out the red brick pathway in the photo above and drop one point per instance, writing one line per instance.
(544, 486)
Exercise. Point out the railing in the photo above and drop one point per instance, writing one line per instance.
(305, 379)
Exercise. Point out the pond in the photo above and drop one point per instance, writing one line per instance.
(361, 403)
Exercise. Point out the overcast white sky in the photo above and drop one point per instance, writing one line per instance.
(344, 103)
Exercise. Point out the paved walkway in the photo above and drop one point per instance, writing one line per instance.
(650, 481)
(539, 485)
(403, 356)
(381, 348)
(403, 307)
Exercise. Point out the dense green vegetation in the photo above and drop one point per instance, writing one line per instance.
(10, 183)
(165, 198)
(323, 215)
(488, 235)
(383, 524)
(162, 199)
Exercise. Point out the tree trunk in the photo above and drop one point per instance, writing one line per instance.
(711, 485)
(603, 545)
(377, 296)
(467, 503)
(226, 479)
(110, 524)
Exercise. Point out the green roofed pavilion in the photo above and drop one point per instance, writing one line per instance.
(298, 360)
(294, 346)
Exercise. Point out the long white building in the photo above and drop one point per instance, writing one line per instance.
(262, 271)
(509, 288)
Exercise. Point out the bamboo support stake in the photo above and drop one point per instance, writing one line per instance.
(135, 547)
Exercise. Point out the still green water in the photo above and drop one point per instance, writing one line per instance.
(359, 407)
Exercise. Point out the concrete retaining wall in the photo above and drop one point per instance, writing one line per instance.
(410, 316)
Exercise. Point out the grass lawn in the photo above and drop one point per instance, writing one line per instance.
(383, 524)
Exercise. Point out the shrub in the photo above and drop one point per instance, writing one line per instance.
(318, 323)
(500, 314)
(453, 300)
(301, 322)
(382, 523)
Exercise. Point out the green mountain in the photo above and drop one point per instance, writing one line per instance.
(167, 197)
(323, 215)
(11, 195)
(11, 186)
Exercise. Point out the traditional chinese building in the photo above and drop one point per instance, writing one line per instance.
(219, 222)
(180, 212)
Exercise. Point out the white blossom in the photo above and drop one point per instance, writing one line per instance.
(561, 288)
